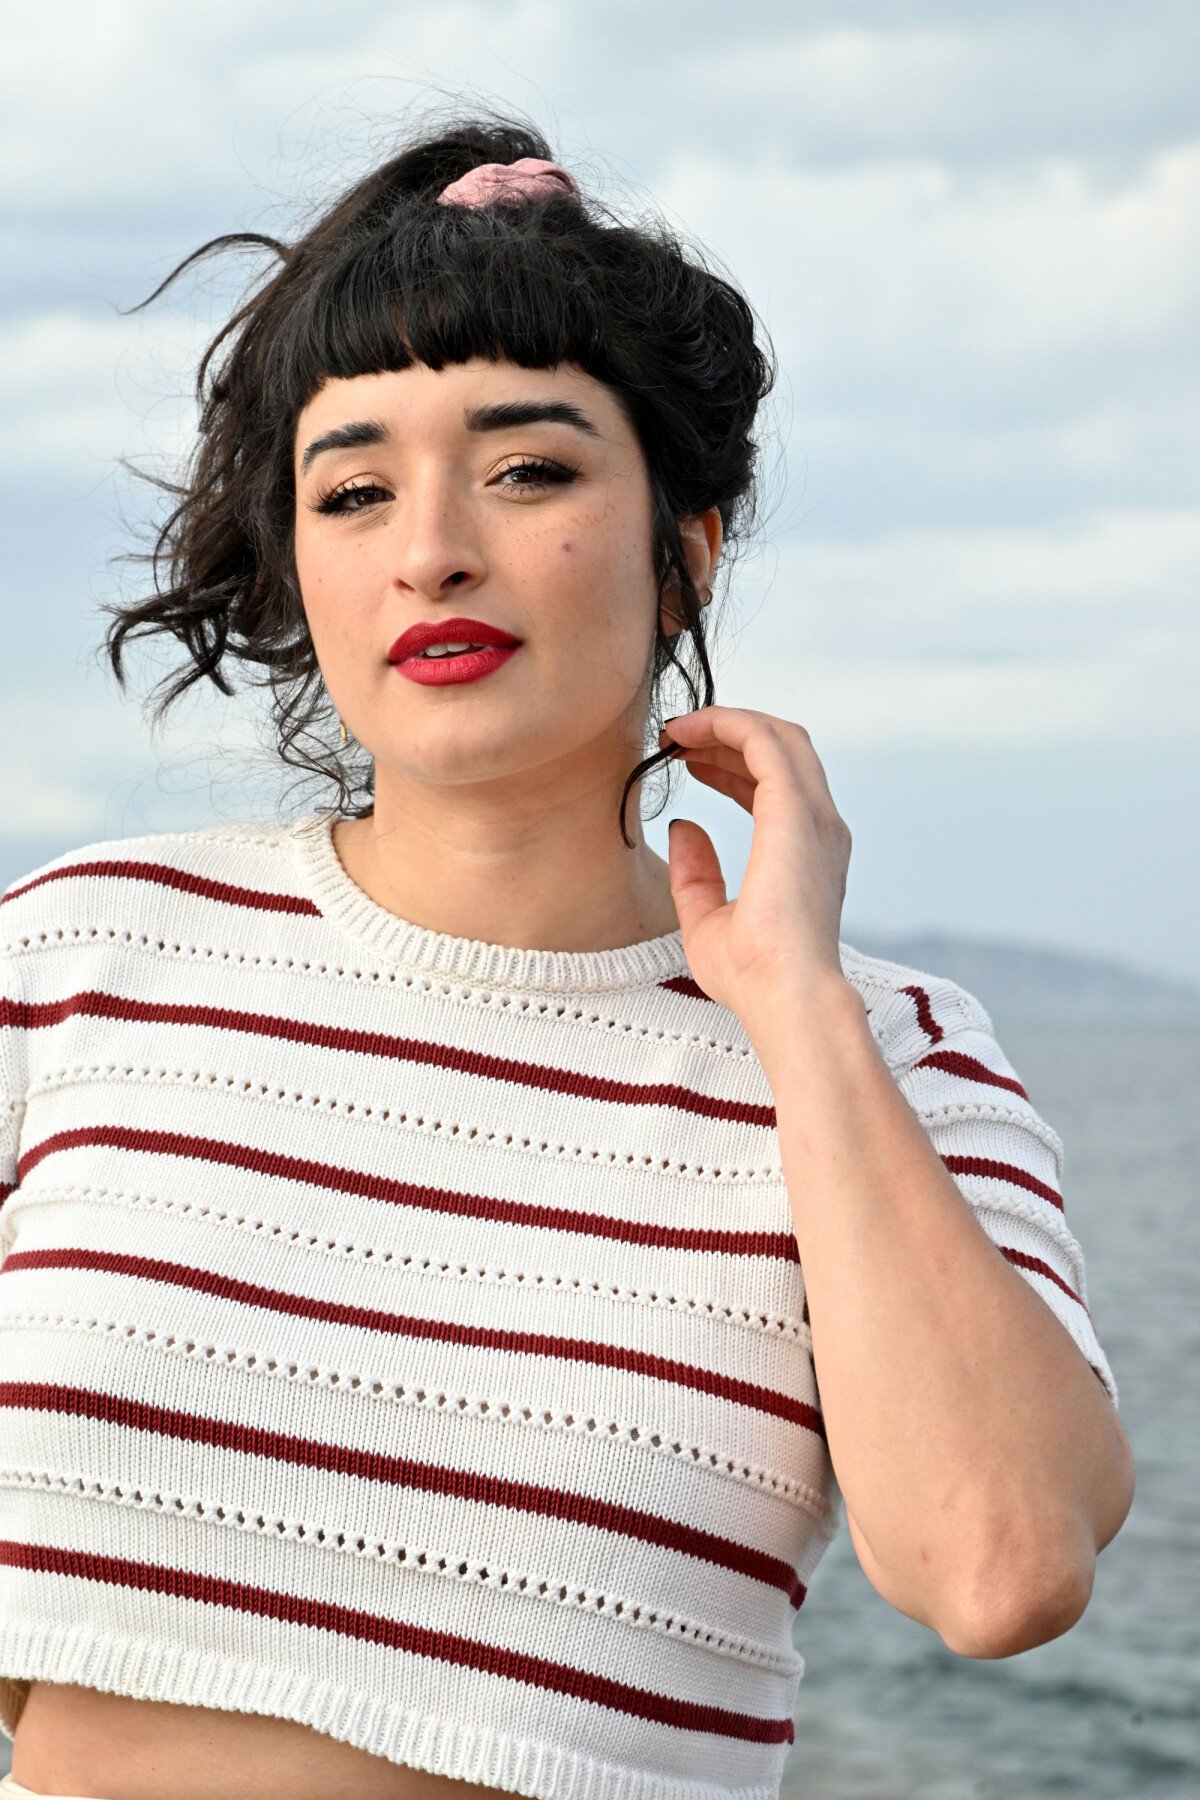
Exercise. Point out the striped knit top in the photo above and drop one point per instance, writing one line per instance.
(404, 1334)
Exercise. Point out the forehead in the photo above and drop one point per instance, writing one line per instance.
(438, 398)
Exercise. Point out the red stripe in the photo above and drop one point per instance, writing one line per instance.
(1040, 1268)
(32, 1015)
(925, 1018)
(442, 1331)
(6, 1188)
(970, 1068)
(395, 1634)
(780, 1245)
(684, 984)
(402, 1471)
(1001, 1171)
(186, 883)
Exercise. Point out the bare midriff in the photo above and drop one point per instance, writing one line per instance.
(78, 1740)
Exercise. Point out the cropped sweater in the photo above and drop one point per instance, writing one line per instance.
(405, 1335)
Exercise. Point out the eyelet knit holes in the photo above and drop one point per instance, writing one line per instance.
(504, 1412)
(554, 1015)
(553, 1589)
(721, 1312)
(260, 1091)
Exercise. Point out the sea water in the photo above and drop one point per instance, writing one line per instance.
(1111, 1710)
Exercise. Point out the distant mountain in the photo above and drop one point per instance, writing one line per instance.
(1025, 981)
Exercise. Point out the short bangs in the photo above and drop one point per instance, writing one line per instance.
(446, 284)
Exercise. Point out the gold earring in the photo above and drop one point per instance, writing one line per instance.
(342, 723)
(703, 598)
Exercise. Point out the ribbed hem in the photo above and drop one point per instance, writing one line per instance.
(149, 1670)
(344, 904)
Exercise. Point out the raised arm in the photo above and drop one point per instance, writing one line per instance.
(981, 1461)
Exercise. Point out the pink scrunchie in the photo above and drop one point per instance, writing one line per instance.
(507, 184)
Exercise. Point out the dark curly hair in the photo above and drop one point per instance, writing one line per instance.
(386, 276)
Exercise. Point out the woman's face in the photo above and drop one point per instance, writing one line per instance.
(448, 496)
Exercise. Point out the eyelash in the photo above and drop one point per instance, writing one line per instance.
(551, 474)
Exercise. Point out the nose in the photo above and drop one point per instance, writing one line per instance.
(436, 547)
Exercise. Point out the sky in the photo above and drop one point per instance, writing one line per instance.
(973, 234)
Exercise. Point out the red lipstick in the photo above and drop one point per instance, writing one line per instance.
(494, 648)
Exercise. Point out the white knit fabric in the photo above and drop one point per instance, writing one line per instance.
(404, 1335)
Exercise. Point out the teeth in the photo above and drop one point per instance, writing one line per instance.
(450, 649)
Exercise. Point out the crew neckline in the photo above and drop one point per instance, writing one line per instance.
(344, 904)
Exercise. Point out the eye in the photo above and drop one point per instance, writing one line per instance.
(359, 496)
(539, 473)
(345, 499)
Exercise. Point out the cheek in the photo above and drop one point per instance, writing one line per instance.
(312, 572)
(608, 559)
(333, 581)
(583, 576)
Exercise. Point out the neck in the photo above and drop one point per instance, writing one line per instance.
(537, 870)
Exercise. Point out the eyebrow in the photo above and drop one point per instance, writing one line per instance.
(355, 436)
(527, 412)
(504, 416)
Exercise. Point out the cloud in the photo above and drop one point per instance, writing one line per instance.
(81, 390)
(937, 79)
(880, 275)
(979, 637)
(266, 87)
(207, 102)
(99, 767)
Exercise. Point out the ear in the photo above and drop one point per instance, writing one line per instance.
(702, 537)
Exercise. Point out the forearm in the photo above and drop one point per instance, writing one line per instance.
(979, 1457)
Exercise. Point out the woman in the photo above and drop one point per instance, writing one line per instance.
(428, 1220)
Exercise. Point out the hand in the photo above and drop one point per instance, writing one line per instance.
(782, 930)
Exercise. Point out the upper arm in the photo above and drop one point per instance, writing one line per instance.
(1007, 1163)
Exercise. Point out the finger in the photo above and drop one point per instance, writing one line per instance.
(723, 755)
(737, 788)
(767, 743)
(697, 884)
(726, 724)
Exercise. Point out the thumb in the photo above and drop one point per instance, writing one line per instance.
(697, 884)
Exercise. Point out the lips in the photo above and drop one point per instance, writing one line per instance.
(448, 631)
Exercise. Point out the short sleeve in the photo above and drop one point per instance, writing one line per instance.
(12, 1085)
(1007, 1162)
